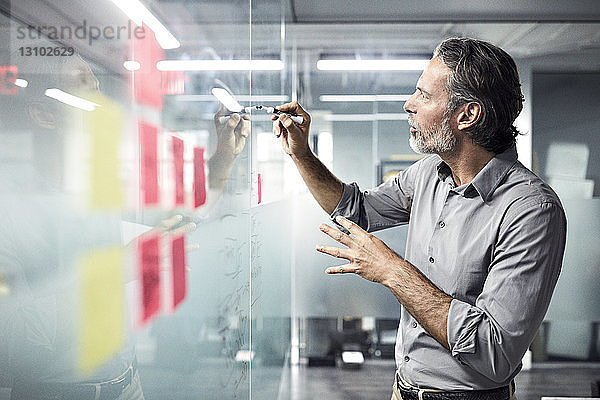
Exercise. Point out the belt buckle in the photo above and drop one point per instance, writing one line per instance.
(415, 390)
(404, 388)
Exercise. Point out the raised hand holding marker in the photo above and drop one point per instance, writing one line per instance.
(234, 107)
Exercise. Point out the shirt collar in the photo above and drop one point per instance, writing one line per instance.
(490, 176)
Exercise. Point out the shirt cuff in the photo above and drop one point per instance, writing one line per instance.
(463, 321)
(345, 204)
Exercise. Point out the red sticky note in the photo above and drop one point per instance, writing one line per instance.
(259, 189)
(149, 163)
(177, 147)
(199, 177)
(173, 82)
(8, 76)
(147, 79)
(179, 272)
(149, 270)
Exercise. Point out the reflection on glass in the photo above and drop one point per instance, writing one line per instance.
(75, 279)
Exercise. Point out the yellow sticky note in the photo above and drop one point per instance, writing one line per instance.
(101, 322)
(105, 125)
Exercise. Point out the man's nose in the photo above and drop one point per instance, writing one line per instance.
(408, 105)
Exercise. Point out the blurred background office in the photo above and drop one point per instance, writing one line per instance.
(107, 129)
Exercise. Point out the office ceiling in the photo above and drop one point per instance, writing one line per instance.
(525, 28)
(352, 11)
(566, 33)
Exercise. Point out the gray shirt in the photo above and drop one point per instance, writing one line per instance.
(494, 245)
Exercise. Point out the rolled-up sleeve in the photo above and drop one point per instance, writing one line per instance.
(385, 206)
(492, 335)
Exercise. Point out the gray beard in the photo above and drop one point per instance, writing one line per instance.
(434, 141)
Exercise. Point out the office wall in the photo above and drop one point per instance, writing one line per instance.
(352, 152)
(566, 111)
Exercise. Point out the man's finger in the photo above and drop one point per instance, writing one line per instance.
(336, 234)
(243, 128)
(292, 106)
(342, 269)
(334, 251)
(276, 127)
(295, 109)
(351, 226)
(290, 125)
(234, 120)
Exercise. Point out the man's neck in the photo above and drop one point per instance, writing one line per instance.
(465, 161)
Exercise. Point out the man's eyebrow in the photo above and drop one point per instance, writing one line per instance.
(420, 89)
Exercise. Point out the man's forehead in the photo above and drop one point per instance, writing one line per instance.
(434, 76)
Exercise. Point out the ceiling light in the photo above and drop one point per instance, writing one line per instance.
(259, 98)
(71, 100)
(21, 82)
(366, 117)
(131, 65)
(220, 65)
(363, 97)
(139, 14)
(372, 65)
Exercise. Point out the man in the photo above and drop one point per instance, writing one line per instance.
(485, 237)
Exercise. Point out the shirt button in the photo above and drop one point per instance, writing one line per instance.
(431, 260)
(442, 224)
(406, 359)
(414, 324)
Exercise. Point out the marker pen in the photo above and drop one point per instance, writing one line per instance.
(269, 110)
(272, 110)
(224, 118)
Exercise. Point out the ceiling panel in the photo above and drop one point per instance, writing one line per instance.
(223, 28)
(312, 11)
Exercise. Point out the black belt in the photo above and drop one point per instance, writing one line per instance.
(108, 390)
(502, 393)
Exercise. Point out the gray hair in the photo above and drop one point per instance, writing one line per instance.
(485, 74)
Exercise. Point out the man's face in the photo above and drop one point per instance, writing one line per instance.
(430, 130)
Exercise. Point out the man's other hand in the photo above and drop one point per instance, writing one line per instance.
(369, 256)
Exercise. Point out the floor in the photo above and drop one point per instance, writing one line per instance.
(373, 381)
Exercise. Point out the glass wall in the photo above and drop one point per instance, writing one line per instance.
(136, 232)
(156, 237)
(566, 155)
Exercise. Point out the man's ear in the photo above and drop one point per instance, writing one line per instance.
(42, 115)
(468, 115)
